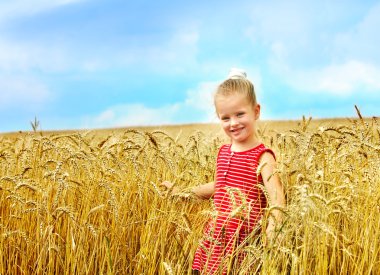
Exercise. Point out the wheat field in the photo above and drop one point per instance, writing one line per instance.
(91, 203)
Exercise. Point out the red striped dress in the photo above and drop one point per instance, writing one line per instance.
(239, 202)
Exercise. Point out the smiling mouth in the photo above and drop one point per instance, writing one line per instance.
(236, 130)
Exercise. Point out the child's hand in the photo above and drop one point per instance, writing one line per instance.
(169, 185)
(272, 236)
(269, 234)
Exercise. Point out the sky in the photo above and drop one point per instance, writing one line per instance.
(87, 64)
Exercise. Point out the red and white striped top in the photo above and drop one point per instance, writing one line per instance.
(239, 202)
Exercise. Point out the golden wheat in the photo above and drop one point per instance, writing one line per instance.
(86, 203)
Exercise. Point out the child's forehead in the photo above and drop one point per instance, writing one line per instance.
(229, 102)
(231, 96)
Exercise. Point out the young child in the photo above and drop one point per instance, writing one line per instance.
(238, 194)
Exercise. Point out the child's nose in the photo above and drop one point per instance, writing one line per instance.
(234, 121)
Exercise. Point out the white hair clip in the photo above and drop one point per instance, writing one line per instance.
(236, 73)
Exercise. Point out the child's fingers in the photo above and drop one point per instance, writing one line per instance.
(167, 184)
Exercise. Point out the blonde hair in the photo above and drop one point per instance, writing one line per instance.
(237, 83)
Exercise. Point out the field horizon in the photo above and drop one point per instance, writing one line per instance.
(187, 128)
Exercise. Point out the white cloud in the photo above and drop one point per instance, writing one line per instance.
(362, 40)
(172, 56)
(340, 79)
(320, 54)
(20, 86)
(197, 105)
(287, 23)
(27, 54)
(291, 33)
(168, 53)
(24, 56)
(315, 31)
(132, 115)
(22, 91)
(202, 98)
(18, 8)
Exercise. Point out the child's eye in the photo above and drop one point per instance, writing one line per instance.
(224, 118)
(240, 114)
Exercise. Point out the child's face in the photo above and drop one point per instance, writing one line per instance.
(238, 118)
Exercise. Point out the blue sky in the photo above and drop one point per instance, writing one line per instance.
(94, 63)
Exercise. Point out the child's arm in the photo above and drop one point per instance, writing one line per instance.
(204, 191)
(275, 192)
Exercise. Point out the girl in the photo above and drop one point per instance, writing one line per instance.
(238, 194)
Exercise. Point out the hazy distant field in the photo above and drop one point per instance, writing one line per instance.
(187, 129)
(89, 202)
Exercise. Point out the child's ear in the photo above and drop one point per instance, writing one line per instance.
(257, 111)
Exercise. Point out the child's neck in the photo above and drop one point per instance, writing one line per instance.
(241, 147)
